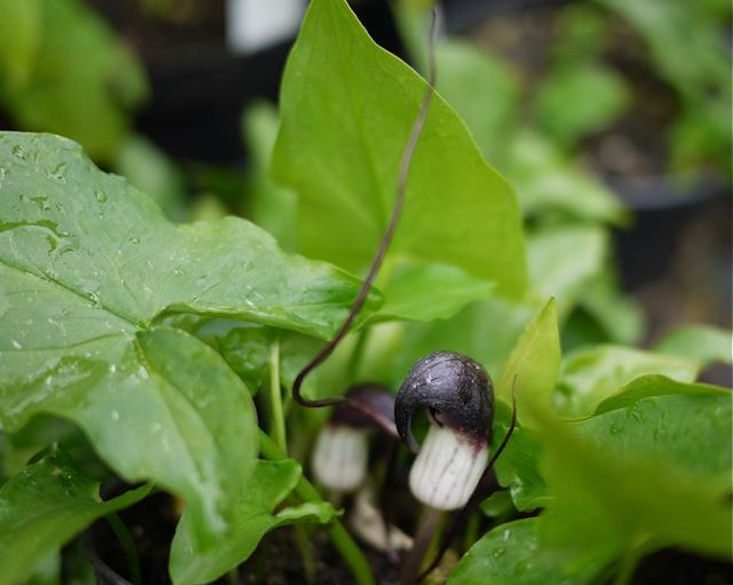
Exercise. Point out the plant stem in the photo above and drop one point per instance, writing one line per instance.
(128, 545)
(426, 530)
(277, 422)
(305, 548)
(339, 536)
(628, 564)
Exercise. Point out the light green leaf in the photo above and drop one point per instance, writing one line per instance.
(151, 171)
(84, 82)
(429, 290)
(484, 93)
(43, 507)
(21, 28)
(534, 363)
(548, 184)
(347, 110)
(578, 99)
(253, 516)
(563, 261)
(588, 377)
(269, 206)
(89, 268)
(512, 553)
(485, 330)
(707, 344)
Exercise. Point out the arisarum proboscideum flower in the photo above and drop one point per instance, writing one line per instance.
(458, 396)
(341, 455)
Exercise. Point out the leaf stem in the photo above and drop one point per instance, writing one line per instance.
(426, 531)
(277, 422)
(339, 536)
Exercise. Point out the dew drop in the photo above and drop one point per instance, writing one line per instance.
(115, 416)
(499, 552)
(100, 195)
(93, 298)
(135, 241)
(59, 173)
(42, 203)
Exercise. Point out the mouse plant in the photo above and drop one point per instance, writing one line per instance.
(165, 357)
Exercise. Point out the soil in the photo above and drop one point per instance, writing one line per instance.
(279, 561)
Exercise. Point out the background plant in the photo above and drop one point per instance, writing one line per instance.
(143, 332)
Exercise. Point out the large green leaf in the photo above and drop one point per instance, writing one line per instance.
(347, 110)
(44, 506)
(684, 426)
(252, 517)
(623, 490)
(655, 419)
(89, 269)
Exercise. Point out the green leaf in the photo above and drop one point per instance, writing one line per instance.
(512, 553)
(269, 206)
(619, 316)
(483, 92)
(89, 269)
(548, 184)
(43, 507)
(430, 290)
(347, 110)
(486, 330)
(707, 344)
(20, 35)
(620, 494)
(84, 82)
(563, 260)
(518, 468)
(577, 99)
(534, 363)
(253, 516)
(588, 377)
(151, 171)
(670, 424)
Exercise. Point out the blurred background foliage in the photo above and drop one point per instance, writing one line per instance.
(611, 118)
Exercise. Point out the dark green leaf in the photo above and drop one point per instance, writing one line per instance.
(87, 266)
(512, 553)
(252, 517)
(43, 507)
(621, 493)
